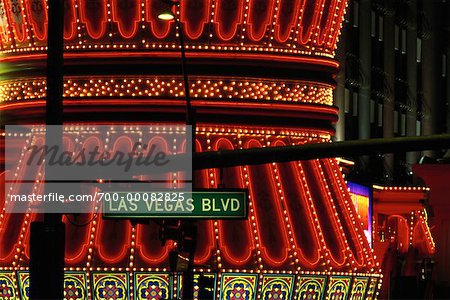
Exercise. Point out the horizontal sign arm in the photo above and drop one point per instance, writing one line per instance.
(255, 156)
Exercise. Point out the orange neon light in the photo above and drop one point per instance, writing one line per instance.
(238, 258)
(288, 12)
(267, 217)
(37, 15)
(310, 240)
(16, 20)
(228, 17)
(160, 29)
(93, 14)
(326, 23)
(70, 21)
(194, 15)
(259, 18)
(127, 16)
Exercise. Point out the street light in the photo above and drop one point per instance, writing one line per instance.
(166, 16)
(165, 12)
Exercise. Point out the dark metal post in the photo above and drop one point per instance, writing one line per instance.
(55, 60)
(47, 240)
(188, 276)
(190, 112)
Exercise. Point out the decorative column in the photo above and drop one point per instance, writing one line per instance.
(411, 77)
(389, 68)
(339, 92)
(431, 73)
(365, 55)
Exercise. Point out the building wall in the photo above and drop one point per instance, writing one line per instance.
(393, 80)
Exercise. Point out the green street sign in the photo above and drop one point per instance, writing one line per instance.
(204, 204)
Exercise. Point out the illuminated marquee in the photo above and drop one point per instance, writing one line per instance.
(272, 26)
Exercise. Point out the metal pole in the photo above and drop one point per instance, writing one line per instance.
(47, 238)
(188, 288)
(255, 156)
(190, 112)
(55, 60)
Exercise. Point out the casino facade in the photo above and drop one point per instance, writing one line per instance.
(261, 74)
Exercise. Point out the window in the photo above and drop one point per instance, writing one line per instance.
(418, 127)
(373, 27)
(380, 28)
(355, 104)
(419, 50)
(444, 65)
(355, 14)
(397, 37)
(403, 41)
(347, 100)
(372, 111)
(395, 121)
(380, 114)
(403, 124)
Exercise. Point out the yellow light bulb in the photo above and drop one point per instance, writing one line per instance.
(166, 16)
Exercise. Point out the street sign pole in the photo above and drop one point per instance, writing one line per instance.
(47, 238)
